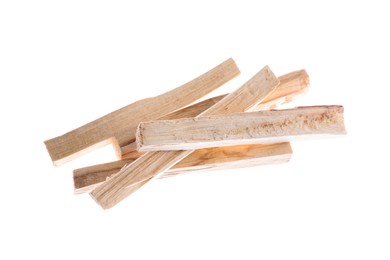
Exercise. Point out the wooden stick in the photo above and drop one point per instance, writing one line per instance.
(153, 164)
(85, 179)
(130, 151)
(230, 157)
(292, 85)
(242, 128)
(119, 126)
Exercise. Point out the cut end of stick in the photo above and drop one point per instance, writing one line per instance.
(59, 160)
(102, 205)
(139, 138)
(104, 200)
(292, 86)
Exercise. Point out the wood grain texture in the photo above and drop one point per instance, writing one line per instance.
(230, 157)
(241, 128)
(119, 126)
(118, 187)
(292, 86)
(219, 158)
(130, 151)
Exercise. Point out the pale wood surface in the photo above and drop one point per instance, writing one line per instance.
(148, 166)
(85, 179)
(230, 157)
(109, 193)
(241, 128)
(119, 126)
(292, 86)
(129, 151)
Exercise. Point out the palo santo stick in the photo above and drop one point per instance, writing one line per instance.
(153, 164)
(119, 126)
(292, 85)
(242, 128)
(229, 157)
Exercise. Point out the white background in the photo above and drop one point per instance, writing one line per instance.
(65, 63)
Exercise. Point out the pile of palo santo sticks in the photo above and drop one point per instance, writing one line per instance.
(168, 134)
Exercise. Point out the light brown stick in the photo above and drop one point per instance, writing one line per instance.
(130, 151)
(119, 126)
(151, 165)
(292, 85)
(242, 128)
(240, 156)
